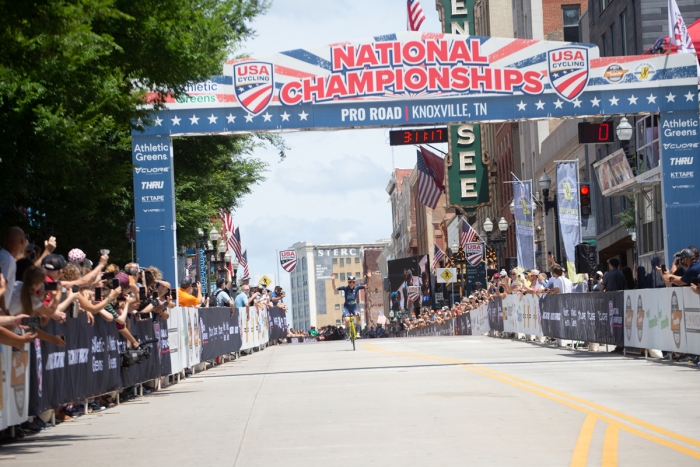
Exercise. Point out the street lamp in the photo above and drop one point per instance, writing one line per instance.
(545, 184)
(496, 242)
(488, 226)
(512, 207)
(624, 134)
(503, 224)
(454, 248)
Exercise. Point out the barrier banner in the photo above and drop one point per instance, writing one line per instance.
(255, 327)
(463, 324)
(160, 329)
(173, 328)
(278, 323)
(445, 329)
(149, 368)
(88, 365)
(480, 320)
(194, 342)
(592, 317)
(217, 325)
(495, 314)
(522, 314)
(16, 393)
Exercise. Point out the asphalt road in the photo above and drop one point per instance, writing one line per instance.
(397, 402)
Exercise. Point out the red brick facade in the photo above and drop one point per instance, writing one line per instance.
(553, 17)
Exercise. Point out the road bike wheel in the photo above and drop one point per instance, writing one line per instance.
(352, 333)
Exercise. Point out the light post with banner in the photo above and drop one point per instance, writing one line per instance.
(496, 242)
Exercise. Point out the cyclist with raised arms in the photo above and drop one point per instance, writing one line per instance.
(350, 290)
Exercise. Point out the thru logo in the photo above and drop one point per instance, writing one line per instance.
(253, 85)
(152, 185)
(568, 71)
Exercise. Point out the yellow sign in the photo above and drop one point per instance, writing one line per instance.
(265, 281)
(446, 275)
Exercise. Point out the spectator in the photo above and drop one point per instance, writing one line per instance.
(223, 299)
(568, 286)
(556, 285)
(613, 280)
(277, 297)
(691, 265)
(629, 278)
(598, 281)
(184, 296)
(13, 247)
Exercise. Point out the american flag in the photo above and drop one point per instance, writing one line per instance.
(467, 235)
(437, 256)
(415, 15)
(244, 263)
(431, 173)
(235, 242)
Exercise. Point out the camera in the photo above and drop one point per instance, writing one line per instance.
(49, 286)
(135, 356)
(108, 276)
(98, 294)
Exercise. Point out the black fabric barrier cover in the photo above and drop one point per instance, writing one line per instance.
(88, 365)
(463, 324)
(149, 368)
(220, 332)
(162, 327)
(444, 329)
(278, 323)
(495, 313)
(590, 317)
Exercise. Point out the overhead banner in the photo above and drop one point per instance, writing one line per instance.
(524, 225)
(569, 214)
(614, 173)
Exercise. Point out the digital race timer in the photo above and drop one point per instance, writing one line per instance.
(596, 133)
(426, 136)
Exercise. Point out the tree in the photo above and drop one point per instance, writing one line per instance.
(73, 77)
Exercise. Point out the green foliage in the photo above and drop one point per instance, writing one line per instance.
(73, 76)
(627, 216)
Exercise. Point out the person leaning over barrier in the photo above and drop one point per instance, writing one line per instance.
(223, 299)
(242, 300)
(555, 285)
(613, 280)
(184, 297)
(691, 264)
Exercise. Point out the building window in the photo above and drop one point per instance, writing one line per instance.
(335, 260)
(303, 263)
(603, 46)
(336, 292)
(357, 259)
(571, 16)
(306, 279)
(306, 296)
(342, 262)
(337, 306)
(321, 311)
(623, 32)
(299, 281)
(647, 143)
(612, 39)
(342, 276)
(357, 274)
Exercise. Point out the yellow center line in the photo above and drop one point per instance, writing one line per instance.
(583, 444)
(610, 446)
(566, 399)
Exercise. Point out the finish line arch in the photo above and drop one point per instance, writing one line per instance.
(413, 79)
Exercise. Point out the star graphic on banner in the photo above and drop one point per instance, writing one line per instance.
(555, 75)
(194, 120)
(267, 116)
(576, 102)
(558, 103)
(689, 96)
(670, 97)
(159, 121)
(303, 115)
(176, 121)
(595, 102)
(285, 116)
(230, 119)
(521, 106)
(651, 99)
(539, 104)
(614, 100)
(633, 100)
(212, 119)
(249, 118)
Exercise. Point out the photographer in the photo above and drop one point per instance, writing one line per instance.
(277, 296)
(184, 296)
(691, 266)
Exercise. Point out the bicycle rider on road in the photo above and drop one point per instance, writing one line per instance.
(350, 291)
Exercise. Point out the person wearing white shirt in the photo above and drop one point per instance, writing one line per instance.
(13, 247)
(568, 286)
(556, 285)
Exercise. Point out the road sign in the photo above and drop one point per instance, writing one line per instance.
(446, 275)
(265, 281)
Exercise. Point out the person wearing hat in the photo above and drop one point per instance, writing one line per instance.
(688, 260)
(184, 295)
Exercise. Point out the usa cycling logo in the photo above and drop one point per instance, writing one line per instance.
(568, 69)
(254, 85)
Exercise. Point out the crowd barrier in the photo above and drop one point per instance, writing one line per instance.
(43, 376)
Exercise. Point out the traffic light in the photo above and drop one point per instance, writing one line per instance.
(585, 199)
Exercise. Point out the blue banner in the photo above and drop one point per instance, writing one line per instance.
(680, 168)
(569, 214)
(154, 203)
(524, 226)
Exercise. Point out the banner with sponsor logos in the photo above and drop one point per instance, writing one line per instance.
(680, 168)
(524, 225)
(522, 314)
(434, 329)
(254, 325)
(666, 319)
(569, 214)
(278, 323)
(590, 317)
(15, 408)
(219, 327)
(463, 324)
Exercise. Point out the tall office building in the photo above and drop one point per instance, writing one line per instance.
(313, 300)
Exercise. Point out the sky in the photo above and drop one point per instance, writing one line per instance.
(331, 186)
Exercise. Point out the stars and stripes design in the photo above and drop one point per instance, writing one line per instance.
(678, 34)
(231, 242)
(256, 92)
(236, 245)
(244, 262)
(438, 256)
(431, 175)
(415, 15)
(474, 253)
(466, 235)
(288, 260)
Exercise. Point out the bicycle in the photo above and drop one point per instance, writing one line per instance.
(352, 332)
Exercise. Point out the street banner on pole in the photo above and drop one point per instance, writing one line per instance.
(569, 217)
(524, 226)
(288, 260)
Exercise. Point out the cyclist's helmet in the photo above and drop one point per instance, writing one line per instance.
(351, 278)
